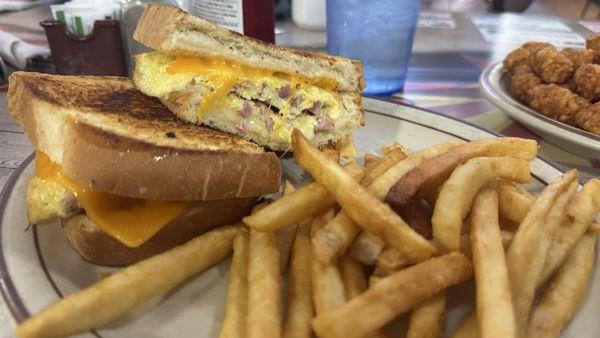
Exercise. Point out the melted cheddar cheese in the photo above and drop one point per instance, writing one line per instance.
(131, 221)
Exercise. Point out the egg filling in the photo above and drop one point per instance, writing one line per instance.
(261, 104)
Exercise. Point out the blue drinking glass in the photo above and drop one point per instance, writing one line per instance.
(379, 33)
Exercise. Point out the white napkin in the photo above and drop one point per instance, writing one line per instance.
(16, 51)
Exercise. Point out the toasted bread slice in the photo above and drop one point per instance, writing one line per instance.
(99, 248)
(173, 31)
(108, 135)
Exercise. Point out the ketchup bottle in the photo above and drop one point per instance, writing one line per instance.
(254, 18)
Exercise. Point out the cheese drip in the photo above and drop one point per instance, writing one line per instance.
(131, 221)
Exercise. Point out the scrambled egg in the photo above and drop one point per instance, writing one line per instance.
(49, 199)
(260, 104)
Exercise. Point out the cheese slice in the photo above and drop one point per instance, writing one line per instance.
(130, 221)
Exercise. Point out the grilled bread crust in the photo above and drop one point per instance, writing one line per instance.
(108, 135)
(173, 31)
(97, 247)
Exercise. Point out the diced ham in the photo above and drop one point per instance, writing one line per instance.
(246, 110)
(316, 106)
(285, 92)
(297, 101)
(241, 126)
(269, 124)
(323, 125)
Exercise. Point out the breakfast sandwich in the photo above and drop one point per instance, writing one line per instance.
(209, 75)
(128, 178)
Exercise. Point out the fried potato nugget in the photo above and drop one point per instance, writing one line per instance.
(589, 118)
(550, 65)
(579, 57)
(556, 102)
(587, 81)
(521, 85)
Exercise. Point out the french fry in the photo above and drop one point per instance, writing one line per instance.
(392, 147)
(389, 160)
(335, 242)
(432, 172)
(303, 203)
(427, 319)
(327, 284)
(565, 294)
(364, 208)
(525, 257)
(285, 236)
(370, 160)
(581, 211)
(234, 321)
(594, 228)
(299, 295)
(116, 294)
(468, 328)
(392, 296)
(353, 276)
(513, 201)
(391, 260)
(531, 244)
(495, 314)
(367, 247)
(347, 149)
(264, 285)
(458, 192)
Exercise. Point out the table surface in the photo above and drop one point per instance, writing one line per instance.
(448, 55)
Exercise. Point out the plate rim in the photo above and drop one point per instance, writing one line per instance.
(12, 298)
(489, 80)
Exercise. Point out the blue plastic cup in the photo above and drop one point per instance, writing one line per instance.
(379, 33)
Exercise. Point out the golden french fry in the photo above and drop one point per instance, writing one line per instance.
(116, 294)
(370, 160)
(364, 208)
(297, 206)
(581, 211)
(527, 252)
(391, 260)
(565, 294)
(392, 147)
(432, 172)
(495, 314)
(525, 256)
(594, 228)
(327, 284)
(234, 321)
(427, 319)
(392, 296)
(299, 295)
(338, 235)
(513, 201)
(264, 286)
(374, 280)
(285, 236)
(367, 247)
(346, 148)
(353, 276)
(468, 328)
(458, 192)
(389, 160)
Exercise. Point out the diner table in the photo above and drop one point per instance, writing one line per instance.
(450, 51)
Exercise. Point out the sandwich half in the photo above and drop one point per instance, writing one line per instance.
(209, 75)
(127, 178)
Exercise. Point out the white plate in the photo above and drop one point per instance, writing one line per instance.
(37, 265)
(495, 85)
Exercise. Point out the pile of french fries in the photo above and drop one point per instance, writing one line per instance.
(363, 245)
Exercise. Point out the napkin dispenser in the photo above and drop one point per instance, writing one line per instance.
(99, 53)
